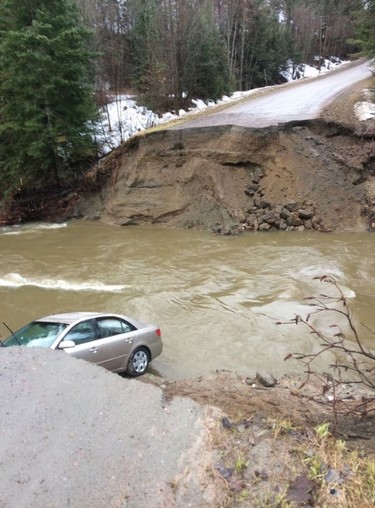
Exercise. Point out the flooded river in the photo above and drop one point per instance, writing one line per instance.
(215, 298)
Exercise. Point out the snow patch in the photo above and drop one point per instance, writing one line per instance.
(364, 111)
(122, 117)
(295, 72)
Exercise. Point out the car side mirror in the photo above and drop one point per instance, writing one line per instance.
(66, 344)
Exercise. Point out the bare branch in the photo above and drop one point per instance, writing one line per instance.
(356, 364)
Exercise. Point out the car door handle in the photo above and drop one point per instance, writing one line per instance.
(93, 350)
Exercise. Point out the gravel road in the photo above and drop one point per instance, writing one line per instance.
(301, 100)
(75, 435)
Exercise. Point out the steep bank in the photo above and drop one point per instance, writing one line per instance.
(308, 175)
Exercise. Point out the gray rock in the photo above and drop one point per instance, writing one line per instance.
(258, 173)
(305, 214)
(264, 226)
(294, 220)
(283, 225)
(269, 217)
(332, 476)
(278, 209)
(265, 378)
(285, 213)
(264, 204)
(291, 206)
(315, 223)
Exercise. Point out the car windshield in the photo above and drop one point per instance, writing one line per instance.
(36, 334)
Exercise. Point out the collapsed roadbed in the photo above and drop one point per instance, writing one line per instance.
(311, 175)
(304, 175)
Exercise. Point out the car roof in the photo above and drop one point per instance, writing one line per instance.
(72, 317)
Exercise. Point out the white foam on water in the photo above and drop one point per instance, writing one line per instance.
(15, 280)
(336, 273)
(320, 271)
(30, 228)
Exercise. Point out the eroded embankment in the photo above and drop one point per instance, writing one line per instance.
(310, 175)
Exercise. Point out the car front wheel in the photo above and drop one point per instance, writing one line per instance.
(138, 362)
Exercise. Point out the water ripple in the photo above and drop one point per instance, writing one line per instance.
(30, 228)
(15, 280)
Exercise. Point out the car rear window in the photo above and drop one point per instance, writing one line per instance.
(113, 326)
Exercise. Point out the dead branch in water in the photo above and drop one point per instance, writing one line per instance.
(356, 365)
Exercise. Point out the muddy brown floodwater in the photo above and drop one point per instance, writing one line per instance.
(215, 298)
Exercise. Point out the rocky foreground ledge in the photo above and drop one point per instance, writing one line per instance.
(76, 435)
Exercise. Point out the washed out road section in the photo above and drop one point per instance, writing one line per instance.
(75, 435)
(302, 100)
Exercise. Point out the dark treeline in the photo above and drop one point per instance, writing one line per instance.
(58, 56)
(172, 50)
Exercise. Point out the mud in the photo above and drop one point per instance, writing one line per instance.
(306, 175)
(257, 444)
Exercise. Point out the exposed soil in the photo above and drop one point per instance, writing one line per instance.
(304, 404)
(261, 440)
(311, 175)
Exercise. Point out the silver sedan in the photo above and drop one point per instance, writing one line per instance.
(116, 342)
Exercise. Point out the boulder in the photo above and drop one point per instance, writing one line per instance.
(265, 378)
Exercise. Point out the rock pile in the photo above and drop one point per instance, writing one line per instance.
(288, 217)
(266, 216)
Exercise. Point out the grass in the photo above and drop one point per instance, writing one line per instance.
(240, 464)
(343, 478)
(283, 426)
(258, 465)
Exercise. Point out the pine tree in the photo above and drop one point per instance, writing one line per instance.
(266, 50)
(150, 68)
(366, 29)
(46, 101)
(206, 72)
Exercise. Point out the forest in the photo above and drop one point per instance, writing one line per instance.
(170, 51)
(60, 59)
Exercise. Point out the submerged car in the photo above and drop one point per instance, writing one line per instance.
(116, 342)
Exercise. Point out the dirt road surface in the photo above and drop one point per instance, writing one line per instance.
(302, 100)
(75, 435)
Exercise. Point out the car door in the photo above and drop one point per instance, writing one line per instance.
(117, 338)
(87, 343)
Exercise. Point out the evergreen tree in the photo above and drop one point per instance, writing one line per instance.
(46, 102)
(150, 69)
(206, 72)
(366, 29)
(266, 47)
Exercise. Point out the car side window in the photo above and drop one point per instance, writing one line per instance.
(81, 333)
(108, 327)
